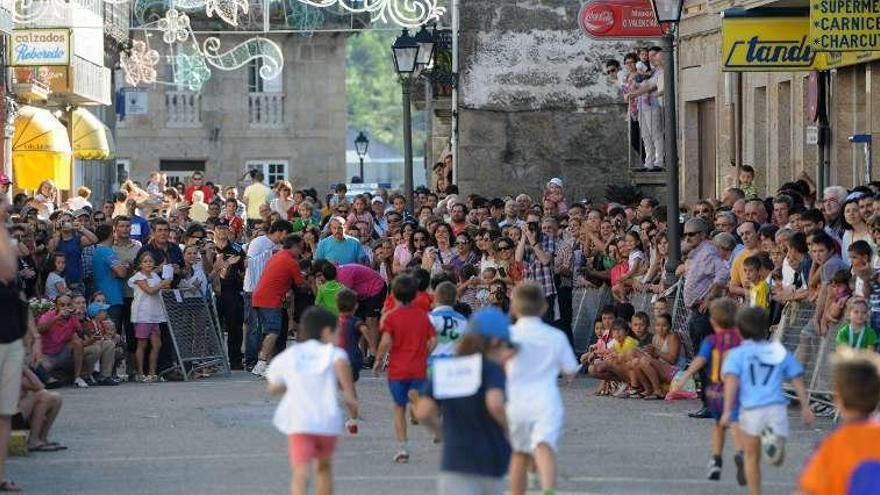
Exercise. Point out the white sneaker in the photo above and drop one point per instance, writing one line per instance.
(80, 383)
(260, 368)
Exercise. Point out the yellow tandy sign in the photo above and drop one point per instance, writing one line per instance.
(778, 44)
(845, 25)
(762, 44)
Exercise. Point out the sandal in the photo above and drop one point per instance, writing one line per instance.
(43, 447)
(635, 394)
(57, 445)
(9, 486)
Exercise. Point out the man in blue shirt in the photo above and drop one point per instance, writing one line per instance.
(339, 248)
(109, 273)
(140, 227)
(70, 239)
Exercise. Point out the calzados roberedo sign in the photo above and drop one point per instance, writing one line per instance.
(619, 19)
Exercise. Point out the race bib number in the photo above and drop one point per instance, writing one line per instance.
(457, 377)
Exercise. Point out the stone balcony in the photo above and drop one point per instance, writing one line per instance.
(183, 109)
(266, 109)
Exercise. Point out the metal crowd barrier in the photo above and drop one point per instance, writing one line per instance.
(641, 301)
(587, 304)
(680, 315)
(797, 332)
(195, 332)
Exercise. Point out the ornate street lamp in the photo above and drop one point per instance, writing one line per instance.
(426, 44)
(361, 144)
(405, 51)
(669, 11)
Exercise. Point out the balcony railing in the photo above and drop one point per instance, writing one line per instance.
(183, 109)
(266, 109)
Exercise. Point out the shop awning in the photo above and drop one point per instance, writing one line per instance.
(40, 149)
(91, 138)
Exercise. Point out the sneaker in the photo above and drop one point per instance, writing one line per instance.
(401, 457)
(714, 473)
(621, 391)
(90, 380)
(80, 383)
(260, 368)
(740, 468)
(107, 382)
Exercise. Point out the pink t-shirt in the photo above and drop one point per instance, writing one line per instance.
(59, 335)
(364, 281)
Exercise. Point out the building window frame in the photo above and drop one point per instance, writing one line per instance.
(273, 170)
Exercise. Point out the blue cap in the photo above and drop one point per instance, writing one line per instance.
(96, 308)
(490, 322)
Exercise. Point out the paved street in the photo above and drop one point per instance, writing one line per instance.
(215, 437)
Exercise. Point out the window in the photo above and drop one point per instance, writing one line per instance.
(257, 84)
(180, 171)
(273, 170)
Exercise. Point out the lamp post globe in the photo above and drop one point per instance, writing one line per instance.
(361, 144)
(405, 51)
(667, 10)
(426, 43)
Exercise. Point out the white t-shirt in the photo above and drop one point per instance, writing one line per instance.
(146, 308)
(634, 258)
(259, 251)
(532, 388)
(52, 285)
(310, 404)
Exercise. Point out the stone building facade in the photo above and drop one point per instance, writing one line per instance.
(775, 114)
(534, 102)
(289, 127)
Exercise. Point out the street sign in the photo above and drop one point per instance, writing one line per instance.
(845, 25)
(136, 101)
(812, 134)
(619, 19)
(766, 40)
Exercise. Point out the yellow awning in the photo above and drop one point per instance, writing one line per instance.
(91, 140)
(40, 149)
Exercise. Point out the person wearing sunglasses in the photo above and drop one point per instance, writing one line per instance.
(707, 277)
(198, 184)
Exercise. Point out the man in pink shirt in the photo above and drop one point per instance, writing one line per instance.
(371, 291)
(62, 349)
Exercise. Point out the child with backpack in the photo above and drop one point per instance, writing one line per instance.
(754, 374)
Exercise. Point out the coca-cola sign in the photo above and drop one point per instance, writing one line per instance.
(619, 19)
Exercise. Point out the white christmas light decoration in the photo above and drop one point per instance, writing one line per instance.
(140, 65)
(226, 9)
(174, 26)
(405, 13)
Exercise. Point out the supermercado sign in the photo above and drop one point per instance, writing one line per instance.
(845, 25)
(39, 47)
(766, 40)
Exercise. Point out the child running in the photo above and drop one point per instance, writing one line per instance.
(448, 323)
(713, 350)
(754, 374)
(308, 373)
(534, 408)
(146, 315)
(407, 339)
(350, 330)
(848, 457)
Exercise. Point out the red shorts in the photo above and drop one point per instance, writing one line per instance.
(303, 448)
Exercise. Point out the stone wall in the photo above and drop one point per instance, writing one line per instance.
(534, 101)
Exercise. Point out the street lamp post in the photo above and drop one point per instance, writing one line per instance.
(361, 144)
(669, 11)
(411, 56)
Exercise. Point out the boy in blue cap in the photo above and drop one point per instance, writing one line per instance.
(468, 390)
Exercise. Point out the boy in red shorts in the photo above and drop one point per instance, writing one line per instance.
(308, 374)
(409, 336)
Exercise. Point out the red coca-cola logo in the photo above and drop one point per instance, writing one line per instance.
(597, 18)
(619, 19)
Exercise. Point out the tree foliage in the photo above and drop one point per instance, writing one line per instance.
(373, 90)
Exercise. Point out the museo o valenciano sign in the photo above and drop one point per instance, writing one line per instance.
(619, 19)
(39, 47)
